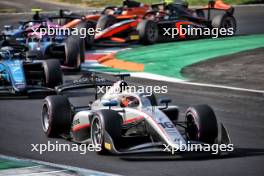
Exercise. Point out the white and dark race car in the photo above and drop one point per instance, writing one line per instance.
(123, 122)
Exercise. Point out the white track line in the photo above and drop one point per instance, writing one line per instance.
(40, 173)
(179, 81)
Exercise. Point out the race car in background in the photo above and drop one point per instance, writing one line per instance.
(129, 10)
(149, 28)
(20, 75)
(123, 122)
(68, 49)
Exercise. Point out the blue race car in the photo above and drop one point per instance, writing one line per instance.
(20, 75)
(68, 49)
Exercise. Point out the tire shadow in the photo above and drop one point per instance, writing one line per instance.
(237, 153)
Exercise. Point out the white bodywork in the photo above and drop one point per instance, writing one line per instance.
(160, 123)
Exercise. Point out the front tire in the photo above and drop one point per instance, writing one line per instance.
(53, 73)
(202, 124)
(56, 115)
(106, 121)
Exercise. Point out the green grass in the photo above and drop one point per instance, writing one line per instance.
(8, 10)
(168, 59)
(11, 164)
(103, 3)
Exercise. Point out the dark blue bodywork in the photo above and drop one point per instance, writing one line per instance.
(13, 79)
(37, 45)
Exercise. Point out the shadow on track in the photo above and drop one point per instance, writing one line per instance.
(237, 153)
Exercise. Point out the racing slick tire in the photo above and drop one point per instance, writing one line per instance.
(103, 121)
(56, 115)
(105, 21)
(202, 124)
(52, 72)
(108, 10)
(224, 21)
(79, 38)
(148, 32)
(89, 39)
(73, 51)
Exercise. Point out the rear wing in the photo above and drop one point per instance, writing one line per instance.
(8, 40)
(219, 5)
(87, 81)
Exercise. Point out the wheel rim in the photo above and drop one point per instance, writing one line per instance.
(45, 118)
(192, 128)
(97, 132)
(151, 32)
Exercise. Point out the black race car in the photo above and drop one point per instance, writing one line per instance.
(161, 22)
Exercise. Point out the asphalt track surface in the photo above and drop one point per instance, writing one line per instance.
(241, 112)
(242, 69)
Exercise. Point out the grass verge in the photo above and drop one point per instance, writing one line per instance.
(168, 59)
(103, 3)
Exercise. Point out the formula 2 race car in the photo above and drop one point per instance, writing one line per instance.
(122, 121)
(50, 37)
(129, 10)
(152, 26)
(21, 76)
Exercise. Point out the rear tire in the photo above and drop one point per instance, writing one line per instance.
(73, 51)
(109, 121)
(148, 32)
(224, 21)
(201, 124)
(53, 73)
(89, 39)
(56, 115)
(105, 21)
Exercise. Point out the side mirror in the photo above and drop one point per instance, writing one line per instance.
(165, 101)
(110, 103)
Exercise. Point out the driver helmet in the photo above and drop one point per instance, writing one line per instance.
(29, 26)
(129, 101)
(131, 3)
